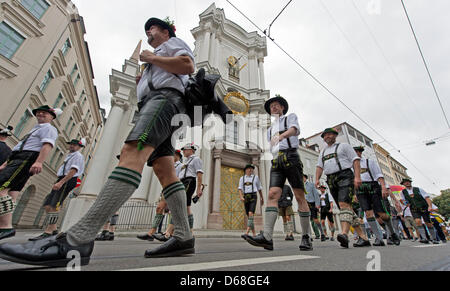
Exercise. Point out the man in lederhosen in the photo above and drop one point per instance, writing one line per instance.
(26, 160)
(191, 175)
(160, 93)
(312, 197)
(336, 161)
(283, 138)
(326, 211)
(68, 173)
(249, 184)
(5, 150)
(370, 196)
(421, 206)
(286, 212)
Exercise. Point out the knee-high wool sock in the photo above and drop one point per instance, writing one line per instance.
(269, 222)
(175, 196)
(118, 189)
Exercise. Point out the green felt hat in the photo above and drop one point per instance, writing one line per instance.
(328, 130)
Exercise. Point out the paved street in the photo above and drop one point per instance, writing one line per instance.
(223, 251)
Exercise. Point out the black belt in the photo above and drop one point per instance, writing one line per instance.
(289, 150)
(251, 193)
(341, 172)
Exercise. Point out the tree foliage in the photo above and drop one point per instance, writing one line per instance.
(443, 203)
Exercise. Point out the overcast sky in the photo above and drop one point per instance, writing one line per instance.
(362, 50)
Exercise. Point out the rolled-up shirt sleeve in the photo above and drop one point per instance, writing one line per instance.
(320, 160)
(198, 165)
(293, 122)
(241, 184)
(258, 184)
(48, 135)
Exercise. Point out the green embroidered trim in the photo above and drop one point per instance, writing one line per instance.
(143, 138)
(124, 180)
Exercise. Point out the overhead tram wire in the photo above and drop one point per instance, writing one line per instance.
(268, 30)
(329, 91)
(390, 65)
(369, 70)
(425, 63)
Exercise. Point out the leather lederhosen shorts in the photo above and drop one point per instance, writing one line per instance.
(325, 213)
(250, 200)
(287, 166)
(154, 122)
(190, 183)
(57, 197)
(341, 186)
(370, 198)
(17, 171)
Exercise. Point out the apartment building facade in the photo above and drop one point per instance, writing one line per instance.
(44, 59)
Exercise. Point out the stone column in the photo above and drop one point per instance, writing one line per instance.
(141, 193)
(215, 195)
(204, 52)
(262, 82)
(253, 70)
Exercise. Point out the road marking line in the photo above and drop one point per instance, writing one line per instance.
(225, 264)
(430, 246)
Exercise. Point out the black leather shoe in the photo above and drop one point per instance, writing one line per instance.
(7, 233)
(323, 237)
(343, 240)
(101, 236)
(110, 236)
(172, 248)
(145, 237)
(305, 244)
(42, 236)
(435, 241)
(289, 237)
(395, 239)
(378, 243)
(424, 241)
(244, 236)
(51, 252)
(361, 243)
(260, 241)
(160, 237)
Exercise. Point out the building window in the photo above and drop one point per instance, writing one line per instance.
(10, 40)
(360, 137)
(368, 143)
(74, 70)
(76, 80)
(351, 132)
(36, 7)
(52, 160)
(66, 47)
(67, 124)
(48, 77)
(23, 121)
(63, 106)
(58, 100)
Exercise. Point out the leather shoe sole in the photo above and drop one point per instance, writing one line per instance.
(343, 240)
(172, 248)
(54, 263)
(7, 234)
(266, 246)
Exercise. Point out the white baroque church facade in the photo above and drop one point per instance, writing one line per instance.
(221, 47)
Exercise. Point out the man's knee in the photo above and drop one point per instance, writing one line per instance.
(274, 193)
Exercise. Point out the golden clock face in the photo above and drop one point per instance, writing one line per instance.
(237, 103)
(232, 60)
